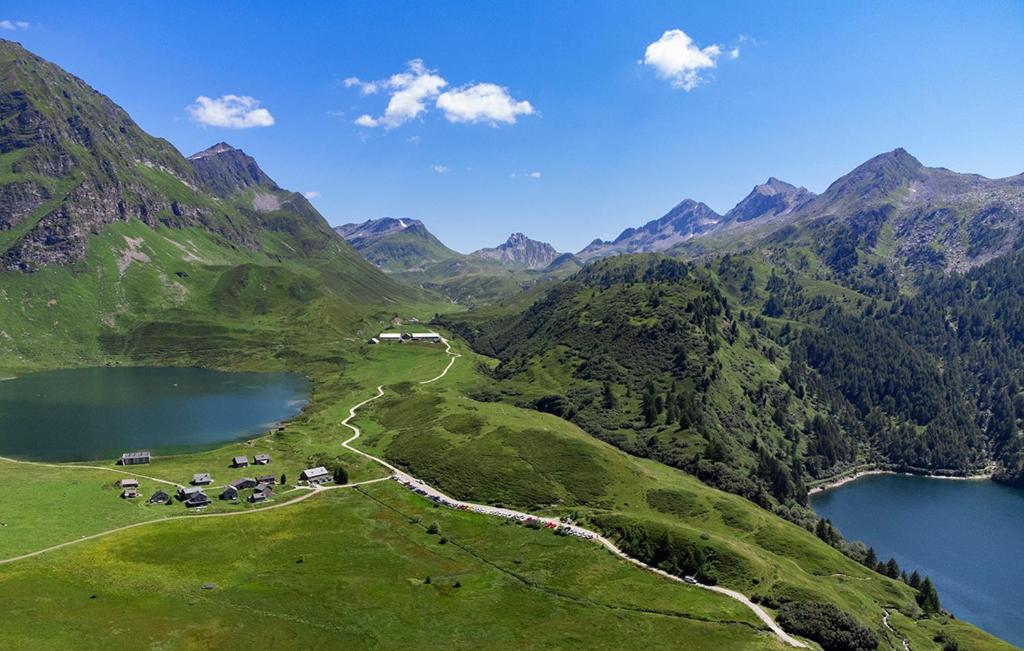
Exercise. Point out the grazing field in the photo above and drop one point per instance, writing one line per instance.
(353, 567)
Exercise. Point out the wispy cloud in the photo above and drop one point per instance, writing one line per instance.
(526, 175)
(13, 25)
(311, 194)
(440, 169)
(676, 57)
(230, 111)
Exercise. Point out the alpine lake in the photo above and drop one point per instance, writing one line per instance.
(966, 534)
(98, 413)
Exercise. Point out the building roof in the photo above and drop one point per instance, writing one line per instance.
(266, 479)
(319, 471)
(241, 459)
(263, 488)
(189, 490)
(425, 335)
(142, 454)
(128, 482)
(262, 457)
(201, 476)
(243, 482)
(389, 335)
(159, 496)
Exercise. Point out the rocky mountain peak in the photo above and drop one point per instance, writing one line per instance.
(519, 251)
(219, 148)
(226, 170)
(772, 198)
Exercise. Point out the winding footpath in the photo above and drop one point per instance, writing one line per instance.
(423, 489)
(885, 621)
(575, 530)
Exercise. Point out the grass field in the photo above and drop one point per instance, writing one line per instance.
(351, 568)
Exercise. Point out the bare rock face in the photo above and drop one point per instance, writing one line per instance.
(520, 252)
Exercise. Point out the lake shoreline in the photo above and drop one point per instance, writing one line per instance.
(843, 480)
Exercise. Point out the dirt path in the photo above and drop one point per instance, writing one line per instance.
(885, 621)
(123, 471)
(575, 530)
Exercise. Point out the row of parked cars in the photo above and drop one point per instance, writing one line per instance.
(416, 487)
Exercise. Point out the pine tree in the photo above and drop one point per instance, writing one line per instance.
(340, 475)
(892, 569)
(928, 597)
(915, 580)
(608, 399)
(871, 560)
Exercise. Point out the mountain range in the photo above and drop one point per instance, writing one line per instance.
(890, 208)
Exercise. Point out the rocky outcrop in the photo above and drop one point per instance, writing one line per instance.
(520, 252)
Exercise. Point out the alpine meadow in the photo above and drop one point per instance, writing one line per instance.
(380, 414)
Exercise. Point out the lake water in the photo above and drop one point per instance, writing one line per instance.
(967, 535)
(98, 413)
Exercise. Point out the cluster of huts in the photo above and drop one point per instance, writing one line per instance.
(195, 494)
(403, 337)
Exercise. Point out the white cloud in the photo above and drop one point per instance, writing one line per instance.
(13, 25)
(482, 103)
(528, 175)
(440, 169)
(410, 91)
(734, 53)
(231, 111)
(311, 194)
(415, 140)
(677, 58)
(534, 175)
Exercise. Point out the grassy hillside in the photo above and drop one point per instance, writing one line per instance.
(496, 453)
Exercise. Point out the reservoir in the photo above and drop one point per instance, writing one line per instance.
(966, 535)
(98, 413)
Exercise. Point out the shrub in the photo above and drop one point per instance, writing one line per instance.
(830, 627)
(433, 528)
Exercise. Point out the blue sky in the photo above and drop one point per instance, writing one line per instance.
(816, 89)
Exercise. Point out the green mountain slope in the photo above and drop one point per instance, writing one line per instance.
(110, 238)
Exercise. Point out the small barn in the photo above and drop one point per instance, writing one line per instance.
(240, 462)
(202, 479)
(130, 493)
(185, 492)
(128, 482)
(431, 337)
(261, 459)
(318, 475)
(159, 497)
(270, 480)
(134, 458)
(261, 493)
(197, 499)
(243, 483)
(389, 337)
(229, 493)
